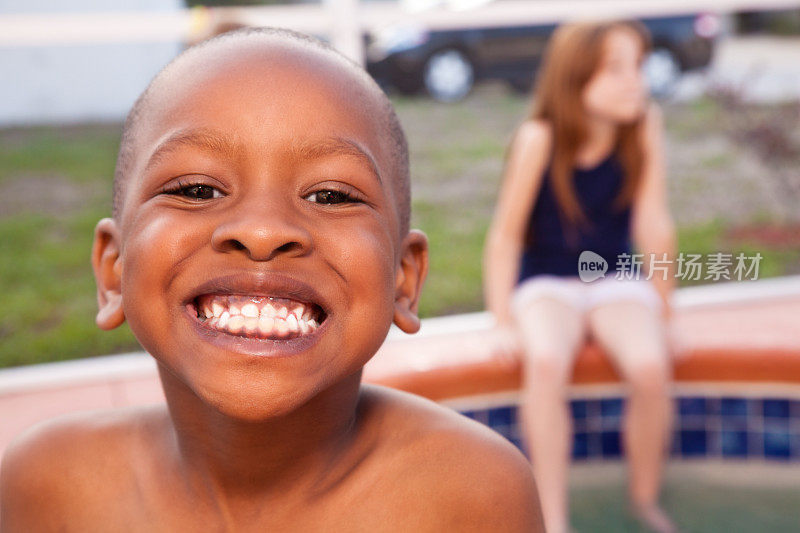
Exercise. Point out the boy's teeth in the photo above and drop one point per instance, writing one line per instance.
(265, 324)
(262, 317)
(281, 327)
(251, 324)
(235, 324)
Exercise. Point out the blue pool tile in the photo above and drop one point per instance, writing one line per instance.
(794, 440)
(610, 444)
(754, 408)
(519, 444)
(734, 443)
(593, 407)
(734, 423)
(675, 444)
(479, 415)
(593, 420)
(692, 422)
(580, 445)
(713, 406)
(713, 442)
(693, 442)
(578, 409)
(502, 416)
(777, 444)
(775, 409)
(692, 406)
(611, 407)
(729, 427)
(505, 431)
(732, 408)
(755, 443)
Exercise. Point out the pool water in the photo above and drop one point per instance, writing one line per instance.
(695, 505)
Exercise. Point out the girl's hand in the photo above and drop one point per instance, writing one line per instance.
(507, 349)
(676, 343)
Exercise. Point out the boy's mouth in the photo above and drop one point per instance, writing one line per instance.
(260, 317)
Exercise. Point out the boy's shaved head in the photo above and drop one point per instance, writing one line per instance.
(385, 116)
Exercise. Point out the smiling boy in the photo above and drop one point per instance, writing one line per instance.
(259, 251)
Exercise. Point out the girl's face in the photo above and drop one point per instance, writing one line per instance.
(617, 91)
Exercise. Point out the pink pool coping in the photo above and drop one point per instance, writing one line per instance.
(454, 349)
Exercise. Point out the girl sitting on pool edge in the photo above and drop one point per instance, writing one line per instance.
(585, 171)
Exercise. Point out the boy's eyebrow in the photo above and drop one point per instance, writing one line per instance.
(337, 146)
(199, 138)
(215, 142)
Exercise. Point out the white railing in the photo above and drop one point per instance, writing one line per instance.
(85, 28)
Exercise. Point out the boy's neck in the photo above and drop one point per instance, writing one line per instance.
(228, 455)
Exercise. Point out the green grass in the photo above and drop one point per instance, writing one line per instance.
(50, 292)
(79, 154)
(712, 238)
(456, 245)
(457, 157)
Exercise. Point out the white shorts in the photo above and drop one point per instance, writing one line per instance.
(586, 295)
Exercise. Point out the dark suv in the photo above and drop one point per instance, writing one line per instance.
(448, 63)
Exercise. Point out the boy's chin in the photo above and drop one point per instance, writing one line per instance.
(249, 399)
(257, 408)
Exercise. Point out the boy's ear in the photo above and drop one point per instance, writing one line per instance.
(410, 277)
(107, 274)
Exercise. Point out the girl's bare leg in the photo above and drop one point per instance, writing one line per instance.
(551, 332)
(632, 334)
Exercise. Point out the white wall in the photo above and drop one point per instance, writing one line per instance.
(77, 83)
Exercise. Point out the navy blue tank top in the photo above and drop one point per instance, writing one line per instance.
(553, 248)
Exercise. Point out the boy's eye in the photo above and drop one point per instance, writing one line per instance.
(330, 197)
(196, 192)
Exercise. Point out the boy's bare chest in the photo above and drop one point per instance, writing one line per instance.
(155, 500)
(170, 511)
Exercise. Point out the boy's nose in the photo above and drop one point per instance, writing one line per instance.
(263, 232)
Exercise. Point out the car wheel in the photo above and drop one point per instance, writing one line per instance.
(448, 75)
(662, 71)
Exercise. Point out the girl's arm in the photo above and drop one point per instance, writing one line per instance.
(526, 163)
(652, 227)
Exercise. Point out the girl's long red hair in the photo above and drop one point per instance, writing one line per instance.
(572, 57)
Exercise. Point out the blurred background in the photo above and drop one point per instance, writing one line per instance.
(727, 74)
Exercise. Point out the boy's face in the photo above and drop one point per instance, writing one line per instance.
(259, 186)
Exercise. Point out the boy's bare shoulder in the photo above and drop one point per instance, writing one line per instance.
(465, 474)
(79, 457)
